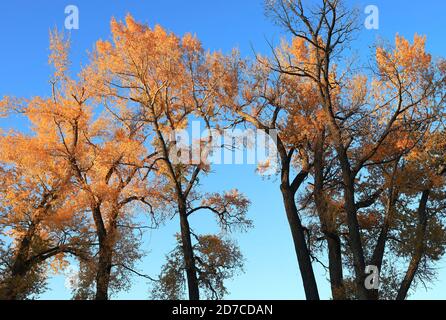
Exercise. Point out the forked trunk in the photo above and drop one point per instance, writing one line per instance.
(335, 267)
(328, 224)
(105, 254)
(104, 271)
(419, 249)
(189, 259)
(13, 286)
(300, 245)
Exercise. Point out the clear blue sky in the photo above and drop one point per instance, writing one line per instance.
(271, 271)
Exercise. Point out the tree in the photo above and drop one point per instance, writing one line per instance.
(88, 168)
(39, 212)
(39, 219)
(161, 82)
(278, 105)
(112, 169)
(364, 124)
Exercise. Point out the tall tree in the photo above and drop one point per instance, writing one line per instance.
(83, 167)
(164, 82)
(362, 126)
(285, 111)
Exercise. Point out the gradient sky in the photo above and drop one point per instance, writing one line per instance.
(270, 271)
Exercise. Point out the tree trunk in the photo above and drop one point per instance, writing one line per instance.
(378, 255)
(335, 267)
(347, 176)
(355, 241)
(104, 271)
(419, 249)
(105, 255)
(186, 241)
(328, 225)
(300, 245)
(13, 286)
(353, 226)
(189, 259)
(380, 248)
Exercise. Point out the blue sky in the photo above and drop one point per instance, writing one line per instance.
(271, 271)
